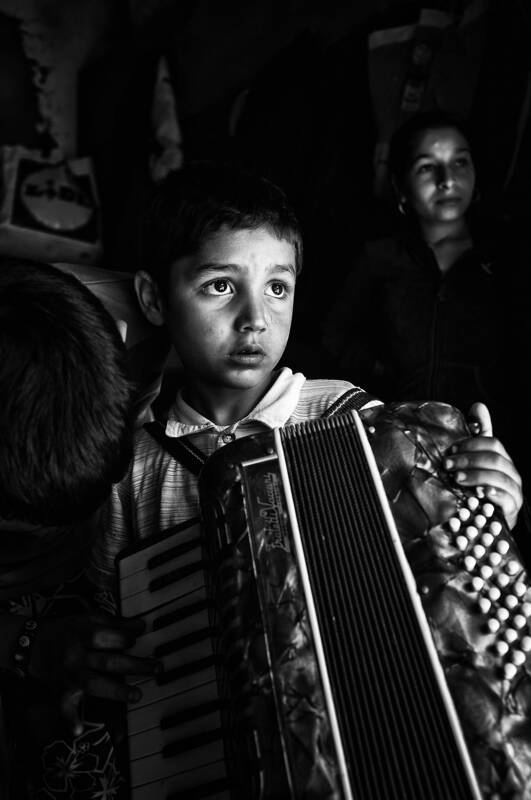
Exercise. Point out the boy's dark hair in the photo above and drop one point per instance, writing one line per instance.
(65, 419)
(405, 137)
(193, 203)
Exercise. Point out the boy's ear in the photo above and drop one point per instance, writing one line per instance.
(149, 299)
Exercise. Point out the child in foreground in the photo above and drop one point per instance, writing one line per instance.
(222, 251)
(65, 433)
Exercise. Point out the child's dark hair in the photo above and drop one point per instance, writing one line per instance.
(193, 203)
(405, 137)
(65, 418)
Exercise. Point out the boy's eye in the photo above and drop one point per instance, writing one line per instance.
(217, 287)
(425, 168)
(277, 289)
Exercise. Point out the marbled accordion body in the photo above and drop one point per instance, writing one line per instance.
(344, 670)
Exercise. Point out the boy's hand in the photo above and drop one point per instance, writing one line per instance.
(84, 655)
(482, 460)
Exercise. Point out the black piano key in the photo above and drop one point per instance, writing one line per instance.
(188, 669)
(180, 717)
(174, 646)
(176, 575)
(180, 746)
(181, 613)
(172, 553)
(204, 790)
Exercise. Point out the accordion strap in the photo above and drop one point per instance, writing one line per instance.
(352, 400)
(187, 454)
(181, 448)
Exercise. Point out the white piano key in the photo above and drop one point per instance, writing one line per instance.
(155, 767)
(178, 784)
(136, 562)
(146, 645)
(148, 716)
(131, 585)
(149, 742)
(152, 692)
(146, 600)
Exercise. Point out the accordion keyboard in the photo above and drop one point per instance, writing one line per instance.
(175, 735)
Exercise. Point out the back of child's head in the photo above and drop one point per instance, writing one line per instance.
(405, 138)
(65, 417)
(194, 203)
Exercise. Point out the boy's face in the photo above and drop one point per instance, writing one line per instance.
(229, 310)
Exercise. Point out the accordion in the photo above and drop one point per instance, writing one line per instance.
(343, 622)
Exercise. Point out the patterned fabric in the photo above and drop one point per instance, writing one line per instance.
(45, 762)
(158, 492)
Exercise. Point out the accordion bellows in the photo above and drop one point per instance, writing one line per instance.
(468, 575)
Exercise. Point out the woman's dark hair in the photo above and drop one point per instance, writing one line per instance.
(405, 137)
(65, 410)
(193, 203)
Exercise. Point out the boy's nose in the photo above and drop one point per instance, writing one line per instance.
(445, 177)
(252, 314)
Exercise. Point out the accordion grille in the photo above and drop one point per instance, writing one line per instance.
(393, 724)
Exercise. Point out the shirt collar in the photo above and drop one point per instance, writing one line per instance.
(273, 410)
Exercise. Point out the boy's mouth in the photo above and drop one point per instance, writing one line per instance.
(248, 354)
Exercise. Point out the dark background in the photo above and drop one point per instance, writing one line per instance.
(291, 89)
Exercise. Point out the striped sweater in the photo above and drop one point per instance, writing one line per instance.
(159, 492)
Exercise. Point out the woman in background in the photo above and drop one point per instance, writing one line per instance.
(438, 311)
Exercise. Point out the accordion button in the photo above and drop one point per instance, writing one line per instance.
(480, 521)
(477, 583)
(502, 546)
(525, 644)
(484, 605)
(511, 635)
(511, 601)
(502, 648)
(518, 658)
(510, 671)
(478, 551)
(503, 580)
(471, 532)
(487, 509)
(519, 621)
(513, 567)
(472, 503)
(502, 614)
(485, 571)
(464, 514)
(495, 559)
(493, 625)
(487, 539)
(461, 543)
(495, 527)
(494, 593)
(454, 524)
(526, 609)
(519, 588)
(469, 563)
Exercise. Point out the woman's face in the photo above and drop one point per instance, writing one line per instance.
(438, 185)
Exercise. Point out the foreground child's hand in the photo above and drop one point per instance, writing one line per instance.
(482, 460)
(84, 655)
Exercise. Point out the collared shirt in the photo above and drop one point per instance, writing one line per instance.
(159, 492)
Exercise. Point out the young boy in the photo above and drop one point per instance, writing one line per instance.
(223, 250)
(65, 437)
